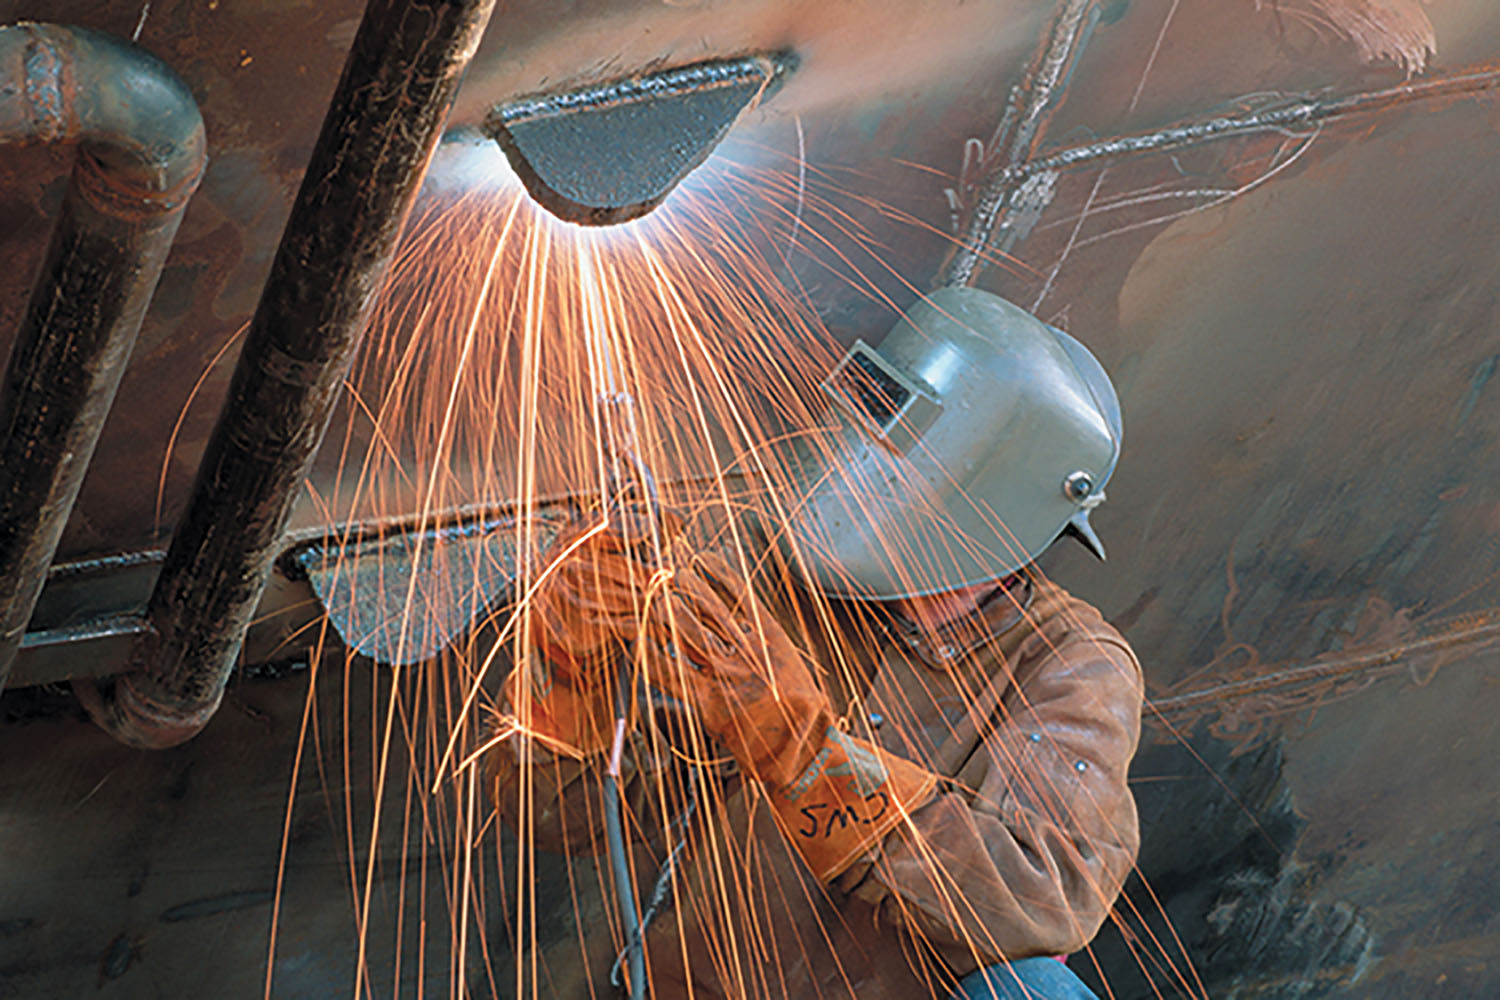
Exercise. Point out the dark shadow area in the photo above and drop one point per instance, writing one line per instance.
(1218, 880)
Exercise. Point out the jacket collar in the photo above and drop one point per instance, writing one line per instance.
(943, 646)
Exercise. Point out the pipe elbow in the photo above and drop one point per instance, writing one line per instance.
(120, 707)
(141, 134)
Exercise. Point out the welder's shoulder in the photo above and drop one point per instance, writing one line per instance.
(1072, 628)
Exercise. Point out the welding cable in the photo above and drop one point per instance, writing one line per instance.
(634, 952)
(664, 880)
(619, 863)
(621, 445)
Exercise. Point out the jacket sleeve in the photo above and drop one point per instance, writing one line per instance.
(1025, 853)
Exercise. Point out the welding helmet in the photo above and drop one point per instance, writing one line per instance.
(957, 452)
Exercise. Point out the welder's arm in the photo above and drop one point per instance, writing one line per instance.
(1027, 857)
(711, 644)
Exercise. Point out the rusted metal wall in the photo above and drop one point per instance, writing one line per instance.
(1300, 529)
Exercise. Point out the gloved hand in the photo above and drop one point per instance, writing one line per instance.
(711, 643)
(590, 603)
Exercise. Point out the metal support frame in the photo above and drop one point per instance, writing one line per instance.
(141, 155)
(565, 147)
(385, 119)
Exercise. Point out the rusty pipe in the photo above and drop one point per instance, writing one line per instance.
(140, 157)
(381, 128)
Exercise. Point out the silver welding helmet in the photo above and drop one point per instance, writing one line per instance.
(959, 450)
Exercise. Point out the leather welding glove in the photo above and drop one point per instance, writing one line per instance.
(589, 603)
(585, 612)
(710, 643)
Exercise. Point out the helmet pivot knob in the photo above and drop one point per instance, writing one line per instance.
(1079, 486)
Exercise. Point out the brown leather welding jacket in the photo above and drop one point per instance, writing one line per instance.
(1031, 717)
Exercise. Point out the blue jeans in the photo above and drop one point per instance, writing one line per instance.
(1026, 979)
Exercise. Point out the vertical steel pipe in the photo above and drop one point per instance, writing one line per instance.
(384, 122)
(140, 157)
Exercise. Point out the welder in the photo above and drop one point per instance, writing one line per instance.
(930, 740)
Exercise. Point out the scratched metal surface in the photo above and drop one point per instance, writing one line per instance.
(1302, 527)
